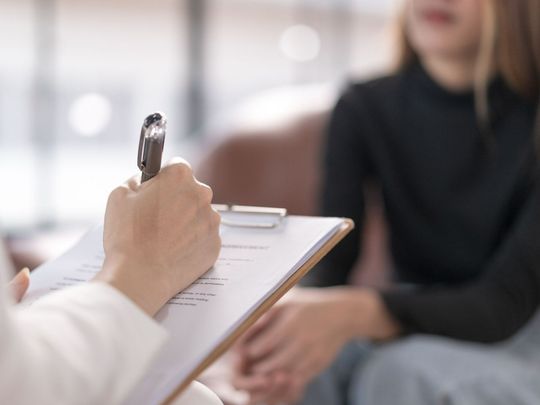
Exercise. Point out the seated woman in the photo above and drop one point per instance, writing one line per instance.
(451, 139)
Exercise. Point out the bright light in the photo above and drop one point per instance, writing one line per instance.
(89, 114)
(300, 43)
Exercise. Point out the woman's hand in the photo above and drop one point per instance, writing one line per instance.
(19, 284)
(301, 336)
(159, 236)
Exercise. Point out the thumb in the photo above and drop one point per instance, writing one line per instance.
(20, 284)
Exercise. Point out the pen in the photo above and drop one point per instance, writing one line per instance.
(151, 142)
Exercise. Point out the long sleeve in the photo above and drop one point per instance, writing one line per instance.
(83, 345)
(345, 169)
(493, 307)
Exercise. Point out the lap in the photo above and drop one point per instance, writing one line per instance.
(428, 370)
(432, 370)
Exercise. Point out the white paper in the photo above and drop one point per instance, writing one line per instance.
(253, 263)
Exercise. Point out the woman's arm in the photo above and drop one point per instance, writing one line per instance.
(91, 344)
(491, 308)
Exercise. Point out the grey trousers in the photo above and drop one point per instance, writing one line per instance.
(424, 370)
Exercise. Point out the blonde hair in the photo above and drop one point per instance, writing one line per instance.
(510, 45)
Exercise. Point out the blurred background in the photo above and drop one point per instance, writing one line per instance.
(78, 77)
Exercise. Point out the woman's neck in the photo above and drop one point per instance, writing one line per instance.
(454, 74)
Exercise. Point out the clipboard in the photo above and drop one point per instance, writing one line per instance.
(278, 214)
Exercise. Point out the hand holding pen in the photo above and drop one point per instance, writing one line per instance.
(150, 251)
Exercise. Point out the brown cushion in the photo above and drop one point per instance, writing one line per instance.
(278, 168)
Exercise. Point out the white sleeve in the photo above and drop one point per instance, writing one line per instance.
(83, 345)
(5, 261)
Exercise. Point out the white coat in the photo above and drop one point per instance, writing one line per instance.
(83, 345)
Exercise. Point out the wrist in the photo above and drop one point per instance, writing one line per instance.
(123, 276)
(366, 316)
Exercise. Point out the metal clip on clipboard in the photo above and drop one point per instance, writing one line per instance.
(243, 216)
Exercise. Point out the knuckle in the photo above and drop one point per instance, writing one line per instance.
(205, 193)
(118, 193)
(180, 170)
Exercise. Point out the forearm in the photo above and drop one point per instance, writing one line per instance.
(479, 312)
(489, 309)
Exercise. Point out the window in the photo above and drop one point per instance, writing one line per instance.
(77, 79)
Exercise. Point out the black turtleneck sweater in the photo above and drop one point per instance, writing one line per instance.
(461, 203)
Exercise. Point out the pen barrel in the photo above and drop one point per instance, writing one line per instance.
(152, 161)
